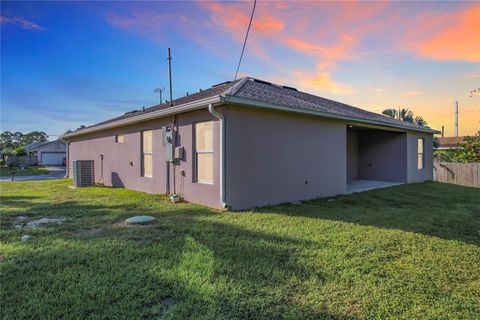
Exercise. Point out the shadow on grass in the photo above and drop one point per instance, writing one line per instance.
(194, 264)
(434, 209)
(185, 266)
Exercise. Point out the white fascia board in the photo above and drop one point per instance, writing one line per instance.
(186, 107)
(353, 120)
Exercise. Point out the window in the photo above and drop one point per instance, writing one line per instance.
(119, 138)
(421, 148)
(204, 152)
(147, 154)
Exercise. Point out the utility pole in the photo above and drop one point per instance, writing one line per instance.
(170, 74)
(456, 118)
(159, 90)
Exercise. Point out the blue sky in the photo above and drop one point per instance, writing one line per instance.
(66, 64)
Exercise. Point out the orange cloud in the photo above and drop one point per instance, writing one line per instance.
(459, 40)
(471, 76)
(316, 82)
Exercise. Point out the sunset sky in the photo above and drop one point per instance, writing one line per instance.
(66, 64)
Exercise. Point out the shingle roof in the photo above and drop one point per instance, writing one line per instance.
(286, 96)
(266, 92)
(215, 90)
(448, 142)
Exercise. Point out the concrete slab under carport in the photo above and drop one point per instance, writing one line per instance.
(355, 186)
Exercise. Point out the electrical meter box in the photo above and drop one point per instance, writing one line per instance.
(179, 152)
(169, 139)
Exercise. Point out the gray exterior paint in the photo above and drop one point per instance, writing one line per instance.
(56, 146)
(118, 172)
(275, 157)
(271, 156)
(352, 155)
(413, 174)
(382, 155)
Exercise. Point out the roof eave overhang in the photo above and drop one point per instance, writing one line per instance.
(353, 120)
(186, 107)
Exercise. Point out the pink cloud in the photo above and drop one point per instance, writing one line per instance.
(323, 34)
(452, 36)
(21, 22)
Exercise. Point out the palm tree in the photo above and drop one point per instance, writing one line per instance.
(405, 114)
(392, 113)
(419, 121)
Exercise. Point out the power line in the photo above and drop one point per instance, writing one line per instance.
(245, 41)
(473, 110)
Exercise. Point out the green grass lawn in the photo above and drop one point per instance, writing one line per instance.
(28, 171)
(406, 252)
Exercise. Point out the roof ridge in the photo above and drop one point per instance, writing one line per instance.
(236, 87)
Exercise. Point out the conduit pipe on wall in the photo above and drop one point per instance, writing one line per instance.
(67, 156)
(221, 119)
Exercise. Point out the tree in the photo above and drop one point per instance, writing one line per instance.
(20, 151)
(6, 139)
(34, 136)
(406, 115)
(18, 139)
(420, 121)
(469, 149)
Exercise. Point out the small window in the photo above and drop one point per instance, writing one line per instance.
(421, 152)
(119, 138)
(204, 152)
(147, 154)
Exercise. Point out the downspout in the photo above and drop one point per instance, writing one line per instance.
(67, 158)
(221, 118)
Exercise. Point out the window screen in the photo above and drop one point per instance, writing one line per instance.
(147, 154)
(204, 152)
(421, 148)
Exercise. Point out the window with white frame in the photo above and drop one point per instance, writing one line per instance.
(119, 138)
(147, 154)
(421, 148)
(204, 152)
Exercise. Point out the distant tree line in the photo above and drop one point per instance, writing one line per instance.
(14, 143)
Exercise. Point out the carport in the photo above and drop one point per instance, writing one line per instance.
(376, 158)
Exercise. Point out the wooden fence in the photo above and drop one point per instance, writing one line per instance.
(465, 174)
(21, 160)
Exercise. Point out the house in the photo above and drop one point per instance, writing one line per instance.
(252, 143)
(49, 152)
(447, 143)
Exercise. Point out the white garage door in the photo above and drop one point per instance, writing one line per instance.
(52, 158)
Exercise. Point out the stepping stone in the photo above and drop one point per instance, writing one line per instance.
(140, 220)
(38, 222)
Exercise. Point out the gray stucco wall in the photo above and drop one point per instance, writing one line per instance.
(382, 155)
(117, 158)
(271, 157)
(413, 174)
(275, 157)
(352, 155)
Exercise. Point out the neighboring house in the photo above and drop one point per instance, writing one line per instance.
(252, 143)
(48, 153)
(447, 143)
(33, 145)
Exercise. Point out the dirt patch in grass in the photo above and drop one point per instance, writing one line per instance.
(89, 232)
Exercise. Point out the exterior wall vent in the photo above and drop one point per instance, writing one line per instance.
(83, 173)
